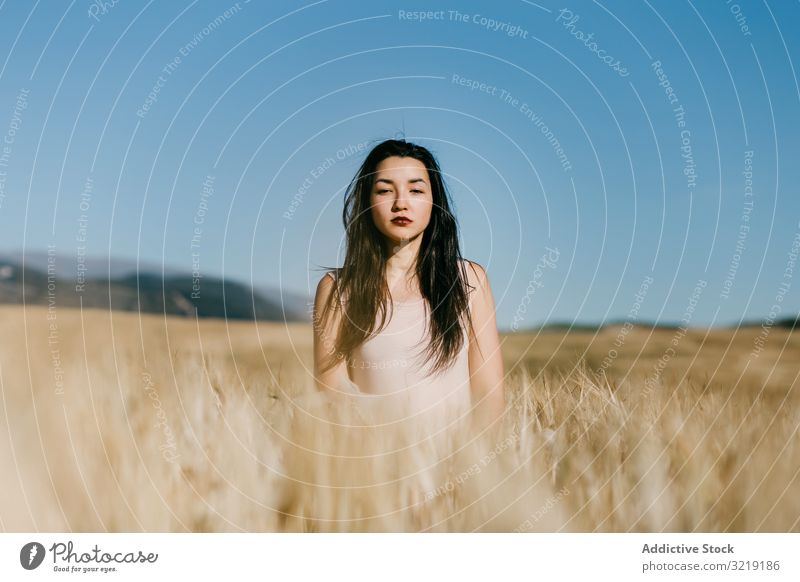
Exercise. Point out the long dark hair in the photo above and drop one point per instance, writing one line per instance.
(361, 287)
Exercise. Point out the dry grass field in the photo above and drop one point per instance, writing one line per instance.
(117, 422)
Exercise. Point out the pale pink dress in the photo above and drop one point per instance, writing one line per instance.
(391, 366)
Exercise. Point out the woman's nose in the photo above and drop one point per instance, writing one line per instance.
(400, 202)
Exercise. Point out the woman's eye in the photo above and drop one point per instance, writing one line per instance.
(413, 191)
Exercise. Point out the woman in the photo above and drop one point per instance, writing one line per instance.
(406, 317)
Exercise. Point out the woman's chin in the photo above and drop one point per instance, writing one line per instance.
(401, 235)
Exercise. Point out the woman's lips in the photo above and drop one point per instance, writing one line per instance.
(402, 221)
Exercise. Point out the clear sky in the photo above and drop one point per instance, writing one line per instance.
(605, 158)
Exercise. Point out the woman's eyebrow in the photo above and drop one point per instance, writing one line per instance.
(410, 181)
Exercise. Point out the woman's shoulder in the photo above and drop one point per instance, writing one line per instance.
(331, 276)
(472, 265)
(326, 285)
(476, 274)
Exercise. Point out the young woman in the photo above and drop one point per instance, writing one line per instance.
(406, 317)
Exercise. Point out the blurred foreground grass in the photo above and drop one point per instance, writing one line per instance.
(119, 422)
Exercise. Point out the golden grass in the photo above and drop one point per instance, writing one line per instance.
(166, 424)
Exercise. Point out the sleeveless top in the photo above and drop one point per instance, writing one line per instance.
(391, 365)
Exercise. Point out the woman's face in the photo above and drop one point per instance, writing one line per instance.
(402, 188)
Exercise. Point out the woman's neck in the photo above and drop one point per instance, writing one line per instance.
(402, 260)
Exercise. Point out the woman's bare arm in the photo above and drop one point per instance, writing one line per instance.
(334, 379)
(485, 357)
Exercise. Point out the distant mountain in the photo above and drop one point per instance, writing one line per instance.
(559, 325)
(113, 283)
(173, 293)
(297, 304)
(789, 322)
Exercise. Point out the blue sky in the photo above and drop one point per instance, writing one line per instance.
(201, 124)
